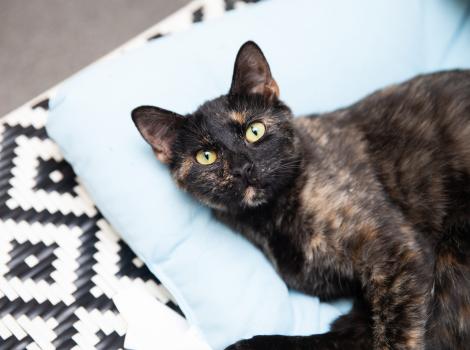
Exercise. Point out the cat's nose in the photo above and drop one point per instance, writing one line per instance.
(244, 171)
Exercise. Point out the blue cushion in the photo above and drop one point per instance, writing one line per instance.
(324, 54)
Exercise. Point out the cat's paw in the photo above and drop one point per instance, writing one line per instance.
(259, 343)
(241, 345)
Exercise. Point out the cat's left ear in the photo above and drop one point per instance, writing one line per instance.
(159, 128)
(252, 74)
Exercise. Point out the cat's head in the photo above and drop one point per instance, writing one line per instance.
(237, 151)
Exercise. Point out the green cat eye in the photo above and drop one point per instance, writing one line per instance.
(255, 131)
(205, 157)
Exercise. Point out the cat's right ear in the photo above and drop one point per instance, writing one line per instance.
(159, 128)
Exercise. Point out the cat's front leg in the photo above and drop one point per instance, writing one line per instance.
(271, 342)
(396, 273)
(351, 332)
(326, 341)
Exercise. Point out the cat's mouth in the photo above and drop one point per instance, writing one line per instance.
(253, 197)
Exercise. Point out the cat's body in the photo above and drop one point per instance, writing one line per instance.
(370, 201)
(380, 182)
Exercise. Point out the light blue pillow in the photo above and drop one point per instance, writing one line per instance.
(324, 54)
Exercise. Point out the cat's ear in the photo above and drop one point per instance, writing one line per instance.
(252, 74)
(159, 128)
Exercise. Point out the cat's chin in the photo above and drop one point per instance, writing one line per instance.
(253, 197)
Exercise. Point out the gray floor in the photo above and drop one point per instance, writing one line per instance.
(44, 41)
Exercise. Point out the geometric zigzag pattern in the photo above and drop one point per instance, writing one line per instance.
(60, 260)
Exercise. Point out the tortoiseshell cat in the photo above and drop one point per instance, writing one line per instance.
(370, 201)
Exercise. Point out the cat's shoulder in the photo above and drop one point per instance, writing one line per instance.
(329, 130)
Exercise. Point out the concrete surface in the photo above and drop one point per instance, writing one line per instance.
(43, 42)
